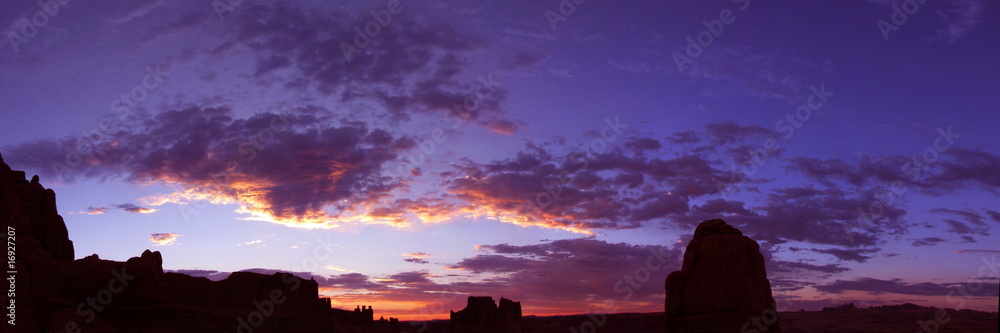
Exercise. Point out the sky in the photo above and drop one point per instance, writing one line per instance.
(408, 154)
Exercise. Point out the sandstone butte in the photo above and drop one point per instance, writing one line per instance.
(722, 285)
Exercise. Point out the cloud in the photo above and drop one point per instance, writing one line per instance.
(957, 169)
(977, 251)
(209, 274)
(927, 241)
(279, 168)
(136, 10)
(857, 255)
(994, 215)
(416, 257)
(974, 222)
(898, 287)
(961, 18)
(829, 216)
(253, 242)
(621, 186)
(865, 171)
(556, 272)
(96, 210)
(132, 208)
(965, 168)
(164, 239)
(796, 266)
(413, 66)
(410, 277)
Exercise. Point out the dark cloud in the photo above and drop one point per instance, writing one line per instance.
(616, 187)
(795, 266)
(994, 215)
(978, 251)
(410, 277)
(822, 216)
(684, 137)
(642, 144)
(896, 286)
(730, 132)
(845, 254)
(416, 260)
(722, 207)
(96, 210)
(555, 271)
(416, 257)
(412, 66)
(968, 215)
(132, 208)
(209, 274)
(350, 281)
(954, 169)
(279, 167)
(973, 222)
(927, 241)
(551, 274)
(863, 172)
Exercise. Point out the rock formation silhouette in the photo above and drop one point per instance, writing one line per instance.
(55, 293)
(482, 315)
(722, 285)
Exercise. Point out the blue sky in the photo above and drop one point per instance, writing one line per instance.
(531, 150)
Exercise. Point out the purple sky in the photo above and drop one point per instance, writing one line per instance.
(408, 154)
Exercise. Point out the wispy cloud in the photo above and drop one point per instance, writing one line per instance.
(253, 242)
(164, 239)
(96, 210)
(132, 208)
(416, 257)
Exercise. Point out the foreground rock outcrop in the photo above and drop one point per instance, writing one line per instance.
(482, 315)
(55, 293)
(722, 285)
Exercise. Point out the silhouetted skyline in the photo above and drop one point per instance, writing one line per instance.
(407, 154)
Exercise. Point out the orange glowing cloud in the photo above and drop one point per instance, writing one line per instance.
(131, 208)
(164, 239)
